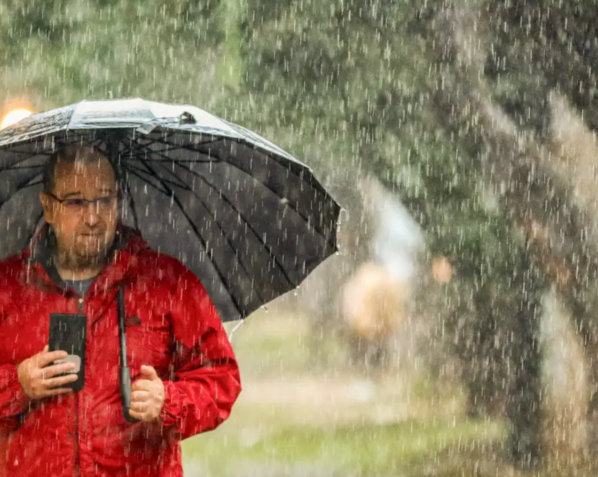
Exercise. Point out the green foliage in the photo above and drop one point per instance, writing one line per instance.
(360, 72)
(62, 52)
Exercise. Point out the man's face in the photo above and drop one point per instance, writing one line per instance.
(84, 231)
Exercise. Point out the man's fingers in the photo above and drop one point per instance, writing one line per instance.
(141, 385)
(45, 359)
(136, 415)
(54, 370)
(140, 396)
(56, 392)
(149, 372)
(58, 382)
(140, 407)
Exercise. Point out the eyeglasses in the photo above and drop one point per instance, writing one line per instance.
(100, 205)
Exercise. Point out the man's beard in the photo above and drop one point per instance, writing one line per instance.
(81, 258)
(87, 260)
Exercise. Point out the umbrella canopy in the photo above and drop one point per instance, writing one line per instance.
(247, 218)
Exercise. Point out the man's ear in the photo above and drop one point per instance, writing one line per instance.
(47, 206)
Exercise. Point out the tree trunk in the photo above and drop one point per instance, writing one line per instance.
(524, 408)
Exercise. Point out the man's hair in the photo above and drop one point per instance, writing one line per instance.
(71, 154)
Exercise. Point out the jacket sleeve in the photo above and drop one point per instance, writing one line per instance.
(12, 403)
(13, 400)
(206, 380)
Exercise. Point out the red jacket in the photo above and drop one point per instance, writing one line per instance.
(172, 325)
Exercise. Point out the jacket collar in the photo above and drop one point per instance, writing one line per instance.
(127, 244)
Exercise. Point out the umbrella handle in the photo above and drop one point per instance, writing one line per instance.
(125, 391)
(125, 372)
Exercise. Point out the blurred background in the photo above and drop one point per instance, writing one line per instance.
(455, 334)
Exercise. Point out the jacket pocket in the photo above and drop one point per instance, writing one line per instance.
(149, 342)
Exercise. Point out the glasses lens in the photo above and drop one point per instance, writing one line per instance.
(101, 204)
(105, 203)
(74, 204)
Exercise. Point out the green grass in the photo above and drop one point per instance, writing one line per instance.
(404, 448)
(294, 419)
(270, 345)
(295, 432)
(298, 418)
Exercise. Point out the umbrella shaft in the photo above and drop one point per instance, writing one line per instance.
(121, 328)
(125, 372)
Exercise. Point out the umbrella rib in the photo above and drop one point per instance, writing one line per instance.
(174, 147)
(16, 151)
(265, 185)
(13, 168)
(132, 204)
(140, 147)
(193, 149)
(197, 233)
(268, 248)
(98, 143)
(232, 206)
(306, 219)
(32, 234)
(130, 147)
(188, 161)
(173, 132)
(101, 146)
(182, 185)
(30, 155)
(222, 231)
(45, 136)
(143, 147)
(263, 149)
(155, 187)
(226, 200)
(194, 227)
(31, 184)
(22, 185)
(19, 161)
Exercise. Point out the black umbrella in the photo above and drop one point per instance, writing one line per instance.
(247, 218)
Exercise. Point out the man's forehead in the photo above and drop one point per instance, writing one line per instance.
(95, 171)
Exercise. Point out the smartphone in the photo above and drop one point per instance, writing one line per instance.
(67, 333)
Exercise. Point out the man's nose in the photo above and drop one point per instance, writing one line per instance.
(91, 216)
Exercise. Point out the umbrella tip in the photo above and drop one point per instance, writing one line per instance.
(187, 118)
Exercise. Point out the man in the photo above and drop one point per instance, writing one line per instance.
(185, 376)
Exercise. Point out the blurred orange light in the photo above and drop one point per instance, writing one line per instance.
(14, 116)
(442, 270)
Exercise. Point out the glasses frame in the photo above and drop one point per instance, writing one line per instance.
(85, 202)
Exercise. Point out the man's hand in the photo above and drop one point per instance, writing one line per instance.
(39, 381)
(147, 398)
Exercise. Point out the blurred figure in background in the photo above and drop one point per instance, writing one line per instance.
(361, 297)
(374, 302)
(373, 305)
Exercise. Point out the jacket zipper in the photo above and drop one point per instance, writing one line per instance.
(77, 456)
